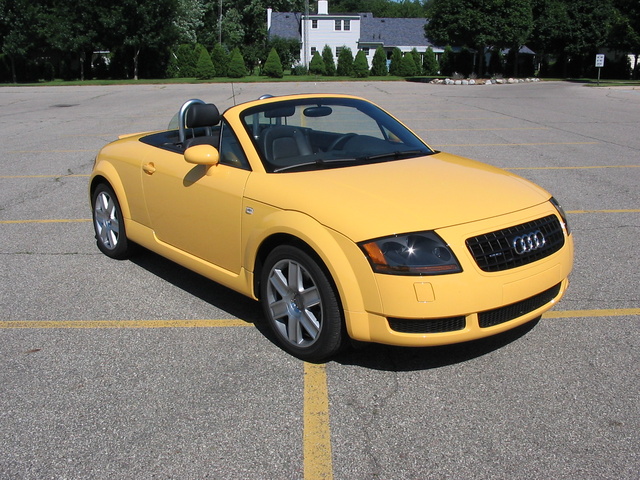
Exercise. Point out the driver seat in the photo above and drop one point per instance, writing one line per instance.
(285, 141)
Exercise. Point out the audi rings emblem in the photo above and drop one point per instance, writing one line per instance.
(528, 242)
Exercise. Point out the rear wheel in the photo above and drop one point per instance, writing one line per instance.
(108, 223)
(301, 305)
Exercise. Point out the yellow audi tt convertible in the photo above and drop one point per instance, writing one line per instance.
(338, 219)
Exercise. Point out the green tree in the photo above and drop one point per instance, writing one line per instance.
(182, 62)
(237, 68)
(141, 26)
(205, 69)
(18, 39)
(379, 63)
(477, 23)
(220, 59)
(329, 63)
(316, 66)
(447, 62)
(430, 63)
(345, 62)
(408, 66)
(396, 62)
(188, 20)
(273, 65)
(417, 59)
(288, 50)
(360, 65)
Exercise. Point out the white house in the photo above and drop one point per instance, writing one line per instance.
(358, 31)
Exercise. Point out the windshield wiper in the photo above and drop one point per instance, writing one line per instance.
(395, 155)
(318, 162)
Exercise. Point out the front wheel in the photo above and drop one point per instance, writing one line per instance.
(301, 305)
(108, 223)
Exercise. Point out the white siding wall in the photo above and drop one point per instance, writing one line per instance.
(326, 34)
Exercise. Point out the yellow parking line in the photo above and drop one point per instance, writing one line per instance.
(446, 145)
(317, 432)
(34, 324)
(52, 220)
(482, 129)
(46, 176)
(614, 312)
(605, 211)
(52, 151)
(571, 168)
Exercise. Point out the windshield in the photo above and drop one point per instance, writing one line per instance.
(325, 132)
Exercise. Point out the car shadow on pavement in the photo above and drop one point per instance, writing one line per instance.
(220, 297)
(391, 358)
(372, 356)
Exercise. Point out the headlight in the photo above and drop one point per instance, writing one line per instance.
(563, 214)
(423, 253)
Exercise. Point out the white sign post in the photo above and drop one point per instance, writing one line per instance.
(599, 65)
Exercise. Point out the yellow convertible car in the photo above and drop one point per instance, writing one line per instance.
(338, 219)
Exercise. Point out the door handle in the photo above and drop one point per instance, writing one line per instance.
(149, 168)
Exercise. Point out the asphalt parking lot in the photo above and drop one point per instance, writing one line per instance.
(140, 369)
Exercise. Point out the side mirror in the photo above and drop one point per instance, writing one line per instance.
(202, 155)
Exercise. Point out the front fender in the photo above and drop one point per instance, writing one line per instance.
(345, 262)
(120, 164)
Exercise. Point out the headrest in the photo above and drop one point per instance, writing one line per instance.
(202, 115)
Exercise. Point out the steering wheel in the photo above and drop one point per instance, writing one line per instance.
(340, 141)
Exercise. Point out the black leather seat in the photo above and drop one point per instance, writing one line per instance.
(281, 142)
(199, 116)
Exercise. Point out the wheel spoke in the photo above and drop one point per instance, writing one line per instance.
(294, 331)
(310, 297)
(295, 277)
(279, 282)
(279, 309)
(310, 324)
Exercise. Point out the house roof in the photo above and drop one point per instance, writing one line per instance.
(285, 25)
(390, 32)
(393, 32)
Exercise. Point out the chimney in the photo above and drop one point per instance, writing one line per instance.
(269, 12)
(323, 7)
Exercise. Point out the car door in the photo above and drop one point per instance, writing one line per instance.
(197, 208)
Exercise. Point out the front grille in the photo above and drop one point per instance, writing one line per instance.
(438, 325)
(495, 251)
(500, 315)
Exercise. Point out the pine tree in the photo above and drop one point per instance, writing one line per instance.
(273, 65)
(345, 62)
(182, 63)
(396, 61)
(430, 63)
(220, 59)
(447, 62)
(205, 69)
(379, 63)
(360, 65)
(417, 59)
(316, 67)
(329, 63)
(237, 68)
(407, 66)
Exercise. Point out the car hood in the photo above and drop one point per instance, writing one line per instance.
(425, 193)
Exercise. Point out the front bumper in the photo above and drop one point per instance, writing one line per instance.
(446, 309)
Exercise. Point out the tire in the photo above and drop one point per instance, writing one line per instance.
(108, 223)
(301, 305)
